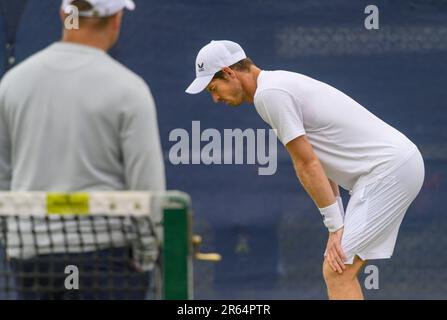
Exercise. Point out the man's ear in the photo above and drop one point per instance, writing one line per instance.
(229, 72)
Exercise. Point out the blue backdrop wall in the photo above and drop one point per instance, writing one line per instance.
(267, 229)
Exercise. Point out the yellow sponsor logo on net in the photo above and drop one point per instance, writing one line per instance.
(68, 203)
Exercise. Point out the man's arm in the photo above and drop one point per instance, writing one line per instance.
(310, 172)
(141, 148)
(335, 188)
(313, 178)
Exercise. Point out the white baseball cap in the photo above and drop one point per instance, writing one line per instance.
(100, 8)
(211, 59)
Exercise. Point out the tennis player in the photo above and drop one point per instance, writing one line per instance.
(333, 141)
(74, 119)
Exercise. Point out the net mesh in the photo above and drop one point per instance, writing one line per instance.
(111, 253)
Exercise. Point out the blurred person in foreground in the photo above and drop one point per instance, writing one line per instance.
(73, 119)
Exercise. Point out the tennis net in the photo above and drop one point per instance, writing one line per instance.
(99, 245)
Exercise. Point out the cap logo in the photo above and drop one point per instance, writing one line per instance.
(201, 68)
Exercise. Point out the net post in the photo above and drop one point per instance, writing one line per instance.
(177, 249)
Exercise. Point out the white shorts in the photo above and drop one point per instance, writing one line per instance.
(375, 211)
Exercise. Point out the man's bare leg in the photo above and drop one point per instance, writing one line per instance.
(344, 286)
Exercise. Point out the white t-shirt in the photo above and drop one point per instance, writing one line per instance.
(353, 145)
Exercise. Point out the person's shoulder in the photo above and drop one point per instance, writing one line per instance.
(125, 75)
(273, 83)
(23, 68)
(276, 77)
(128, 86)
(284, 83)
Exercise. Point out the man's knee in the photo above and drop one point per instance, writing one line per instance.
(333, 278)
(330, 276)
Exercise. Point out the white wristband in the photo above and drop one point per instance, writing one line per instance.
(340, 204)
(333, 219)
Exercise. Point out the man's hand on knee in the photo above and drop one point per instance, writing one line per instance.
(334, 252)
